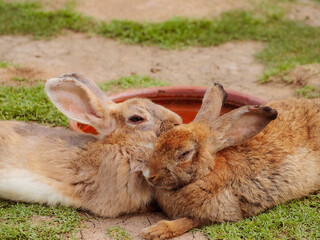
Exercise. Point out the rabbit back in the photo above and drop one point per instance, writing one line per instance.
(283, 161)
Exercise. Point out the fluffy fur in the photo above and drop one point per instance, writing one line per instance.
(225, 169)
(100, 174)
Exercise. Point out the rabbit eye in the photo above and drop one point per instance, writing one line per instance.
(136, 119)
(183, 155)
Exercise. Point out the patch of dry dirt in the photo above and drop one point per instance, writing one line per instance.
(304, 10)
(96, 228)
(161, 10)
(157, 10)
(149, 10)
(18, 76)
(302, 75)
(232, 64)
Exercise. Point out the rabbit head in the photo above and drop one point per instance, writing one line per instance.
(80, 99)
(187, 152)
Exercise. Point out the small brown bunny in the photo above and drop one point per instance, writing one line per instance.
(102, 173)
(220, 169)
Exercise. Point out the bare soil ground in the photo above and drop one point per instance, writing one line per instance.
(231, 64)
(96, 228)
(161, 10)
(304, 10)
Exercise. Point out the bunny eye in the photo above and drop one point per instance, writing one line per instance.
(184, 154)
(136, 119)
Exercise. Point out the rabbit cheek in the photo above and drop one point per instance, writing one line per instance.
(165, 179)
(165, 126)
(185, 174)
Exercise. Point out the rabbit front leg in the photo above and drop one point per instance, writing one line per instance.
(168, 229)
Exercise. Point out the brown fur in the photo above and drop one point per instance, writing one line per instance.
(100, 174)
(230, 178)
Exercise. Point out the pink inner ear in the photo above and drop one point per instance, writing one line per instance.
(240, 130)
(248, 123)
(69, 105)
(74, 103)
(236, 132)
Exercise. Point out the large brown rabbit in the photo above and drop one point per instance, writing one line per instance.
(101, 174)
(219, 169)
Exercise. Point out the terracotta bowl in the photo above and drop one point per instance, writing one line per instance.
(183, 100)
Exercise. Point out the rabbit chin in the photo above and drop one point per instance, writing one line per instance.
(22, 185)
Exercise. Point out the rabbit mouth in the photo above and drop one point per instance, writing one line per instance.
(151, 184)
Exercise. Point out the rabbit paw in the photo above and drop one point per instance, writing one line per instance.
(159, 231)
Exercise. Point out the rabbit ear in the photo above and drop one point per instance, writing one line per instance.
(136, 166)
(89, 84)
(238, 126)
(81, 100)
(211, 104)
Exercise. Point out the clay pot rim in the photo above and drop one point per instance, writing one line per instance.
(191, 92)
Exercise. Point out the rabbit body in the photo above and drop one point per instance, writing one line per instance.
(225, 169)
(57, 166)
(279, 164)
(98, 173)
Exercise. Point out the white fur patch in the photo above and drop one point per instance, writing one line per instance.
(22, 185)
(146, 172)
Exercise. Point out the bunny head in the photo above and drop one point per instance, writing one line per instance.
(187, 152)
(132, 121)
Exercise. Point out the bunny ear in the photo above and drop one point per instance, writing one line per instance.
(211, 104)
(238, 126)
(136, 166)
(81, 102)
(89, 84)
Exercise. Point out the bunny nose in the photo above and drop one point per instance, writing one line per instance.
(152, 178)
(146, 174)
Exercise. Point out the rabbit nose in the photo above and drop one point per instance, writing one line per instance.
(152, 178)
(146, 174)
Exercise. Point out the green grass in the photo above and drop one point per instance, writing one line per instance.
(29, 104)
(288, 43)
(118, 233)
(19, 79)
(17, 221)
(28, 18)
(133, 81)
(298, 219)
(6, 64)
(308, 92)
